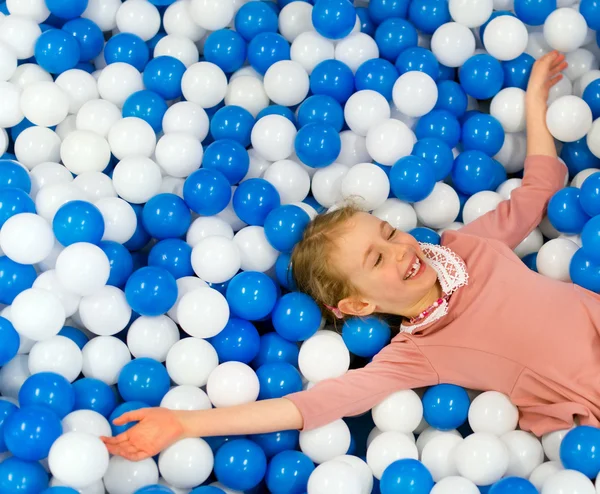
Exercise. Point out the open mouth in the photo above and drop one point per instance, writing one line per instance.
(415, 269)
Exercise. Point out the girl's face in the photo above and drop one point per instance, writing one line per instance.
(387, 267)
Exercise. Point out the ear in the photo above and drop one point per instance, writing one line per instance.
(354, 306)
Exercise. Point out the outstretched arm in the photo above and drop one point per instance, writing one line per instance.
(544, 175)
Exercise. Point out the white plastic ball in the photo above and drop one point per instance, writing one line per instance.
(152, 337)
(593, 138)
(361, 470)
(286, 83)
(26, 238)
(295, 19)
(49, 281)
(387, 448)
(203, 312)
(355, 49)
(232, 383)
(455, 485)
(322, 357)
(530, 244)
(97, 116)
(37, 145)
(212, 14)
(131, 136)
(327, 442)
(205, 84)
(82, 268)
(401, 411)
(482, 458)
(479, 204)
(21, 34)
(87, 421)
(569, 118)
(37, 314)
(187, 463)
(96, 185)
(258, 165)
(290, 179)
(249, 93)
(44, 103)
(333, 477)
(398, 214)
(438, 457)
(78, 459)
(309, 49)
(185, 285)
(354, 149)
(415, 93)
(583, 81)
(104, 357)
(8, 62)
(103, 13)
(326, 184)
(565, 29)
(178, 154)
(568, 481)
(179, 47)
(120, 220)
(256, 252)
(440, 208)
(118, 81)
(67, 126)
(137, 179)
(29, 72)
(551, 443)
(4, 141)
(506, 38)
(508, 107)
(48, 174)
(186, 397)
(582, 176)
(273, 137)
(541, 474)
(537, 46)
(57, 354)
(525, 453)
(389, 140)
(216, 259)
(33, 9)
(513, 152)
(470, 13)
(85, 151)
(10, 109)
(492, 412)
(453, 44)
(124, 476)
(138, 17)
(207, 226)
(367, 185)
(178, 20)
(190, 361)
(12, 376)
(428, 434)
(365, 109)
(50, 261)
(105, 312)
(580, 62)
(554, 258)
(79, 86)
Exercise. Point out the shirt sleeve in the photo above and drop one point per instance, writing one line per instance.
(400, 365)
(517, 217)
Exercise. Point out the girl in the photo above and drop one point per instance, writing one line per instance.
(474, 315)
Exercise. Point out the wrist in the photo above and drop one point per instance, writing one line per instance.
(186, 420)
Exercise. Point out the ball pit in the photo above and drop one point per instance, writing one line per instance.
(160, 159)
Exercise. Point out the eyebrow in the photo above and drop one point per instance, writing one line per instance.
(370, 249)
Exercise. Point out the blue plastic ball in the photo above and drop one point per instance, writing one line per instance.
(238, 342)
(232, 123)
(254, 18)
(535, 12)
(446, 406)
(284, 111)
(273, 348)
(589, 194)
(452, 98)
(481, 76)
(228, 157)
(240, 464)
(88, 35)
(78, 221)
(6, 410)
(473, 172)
(288, 472)
(278, 380)
(30, 431)
(57, 51)
(437, 153)
(412, 179)
(366, 24)
(14, 278)
(144, 379)
(60, 490)
(163, 75)
(380, 10)
(584, 270)
(590, 238)
(418, 59)
(376, 74)
(578, 157)
(332, 78)
(207, 192)
(254, 199)
(321, 109)
(166, 216)
(174, 255)
(366, 336)
(251, 295)
(93, 394)
(425, 235)
(283, 271)
(513, 485)
(333, 19)
(580, 450)
(265, 49)
(409, 476)
(591, 95)
(49, 390)
(120, 262)
(140, 236)
(22, 477)
(9, 341)
(127, 48)
(66, 9)
(14, 176)
(440, 124)
(273, 443)
(14, 201)
(590, 10)
(284, 227)
(428, 15)
(75, 335)
(530, 260)
(157, 489)
(128, 406)
(317, 145)
(226, 49)
(151, 291)
(517, 71)
(565, 212)
(393, 36)
(483, 133)
(296, 316)
(147, 105)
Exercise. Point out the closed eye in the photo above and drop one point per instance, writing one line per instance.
(380, 257)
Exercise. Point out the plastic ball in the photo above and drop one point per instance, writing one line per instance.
(289, 472)
(255, 18)
(147, 106)
(9, 340)
(78, 221)
(14, 279)
(273, 137)
(452, 44)
(228, 157)
(440, 124)
(232, 123)
(333, 19)
(254, 199)
(144, 379)
(569, 118)
(505, 37)
(492, 412)
(37, 314)
(393, 36)
(265, 49)
(415, 93)
(412, 179)
(277, 380)
(284, 227)
(93, 394)
(127, 48)
(151, 291)
(56, 51)
(22, 476)
(578, 450)
(30, 432)
(481, 76)
(367, 184)
(207, 192)
(483, 133)
(226, 49)
(418, 59)
(513, 484)
(232, 383)
(296, 316)
(584, 270)
(565, 29)
(365, 337)
(332, 78)
(517, 71)
(317, 145)
(445, 406)
(565, 211)
(482, 458)
(49, 390)
(408, 472)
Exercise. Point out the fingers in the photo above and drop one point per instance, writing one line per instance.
(554, 80)
(558, 68)
(121, 438)
(133, 416)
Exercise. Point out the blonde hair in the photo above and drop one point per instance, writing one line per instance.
(312, 267)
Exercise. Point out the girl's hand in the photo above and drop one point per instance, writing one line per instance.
(545, 74)
(157, 428)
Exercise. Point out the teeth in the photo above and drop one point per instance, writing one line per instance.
(414, 270)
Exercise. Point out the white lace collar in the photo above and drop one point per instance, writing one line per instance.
(452, 274)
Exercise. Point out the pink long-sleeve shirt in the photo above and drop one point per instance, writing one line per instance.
(510, 329)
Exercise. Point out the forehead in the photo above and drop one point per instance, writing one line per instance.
(356, 237)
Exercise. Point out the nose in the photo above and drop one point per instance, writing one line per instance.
(400, 251)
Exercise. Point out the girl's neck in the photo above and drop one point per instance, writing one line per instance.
(425, 303)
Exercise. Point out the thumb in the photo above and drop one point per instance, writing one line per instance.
(133, 416)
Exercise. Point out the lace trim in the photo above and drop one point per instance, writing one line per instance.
(452, 274)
